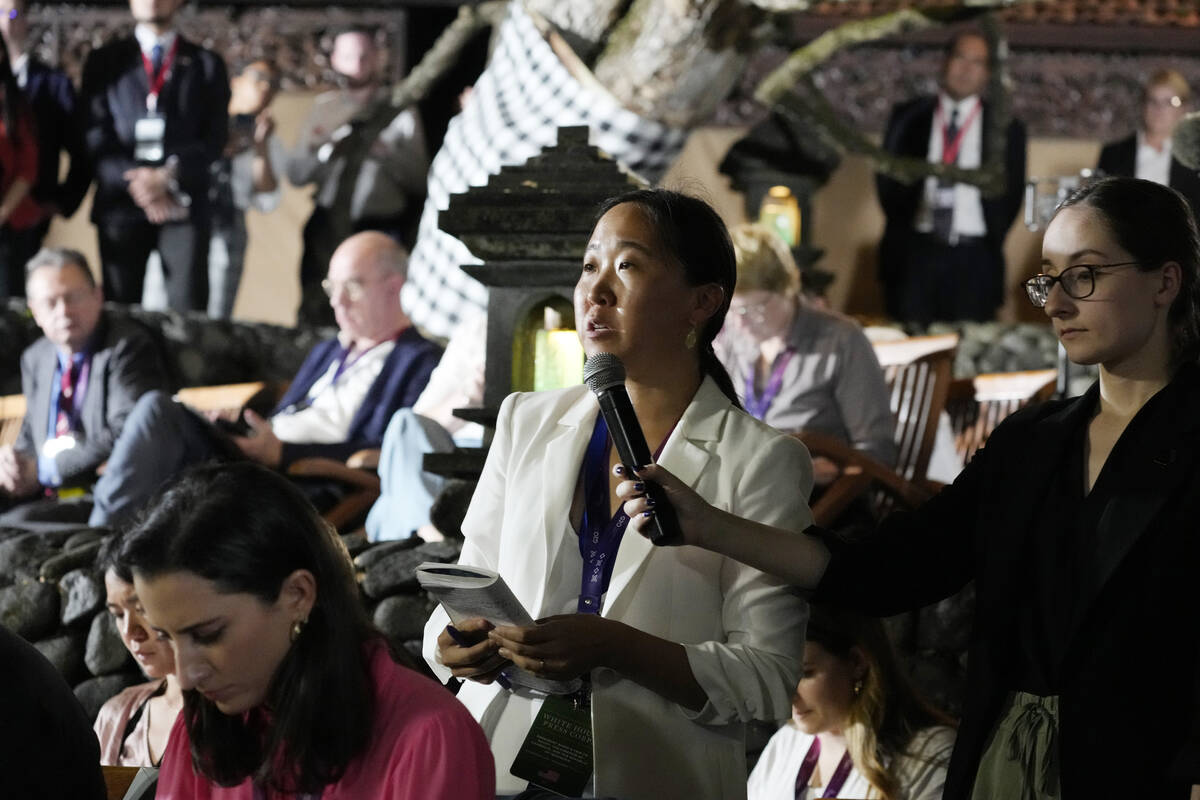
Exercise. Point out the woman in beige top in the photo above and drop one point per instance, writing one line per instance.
(133, 726)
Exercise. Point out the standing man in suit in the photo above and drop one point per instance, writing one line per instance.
(339, 402)
(942, 253)
(157, 119)
(1147, 153)
(56, 117)
(80, 381)
(382, 182)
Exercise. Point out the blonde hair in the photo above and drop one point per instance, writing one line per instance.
(886, 711)
(764, 262)
(1173, 80)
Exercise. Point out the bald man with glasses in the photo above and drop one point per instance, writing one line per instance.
(339, 402)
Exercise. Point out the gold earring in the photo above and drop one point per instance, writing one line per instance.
(858, 687)
(689, 341)
(298, 628)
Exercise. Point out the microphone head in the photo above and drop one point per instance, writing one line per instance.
(602, 371)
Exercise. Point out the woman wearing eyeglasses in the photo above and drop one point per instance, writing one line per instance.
(1077, 524)
(800, 368)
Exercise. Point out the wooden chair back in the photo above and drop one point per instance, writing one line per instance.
(918, 371)
(977, 405)
(117, 780)
(12, 413)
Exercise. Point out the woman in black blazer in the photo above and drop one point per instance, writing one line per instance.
(1077, 523)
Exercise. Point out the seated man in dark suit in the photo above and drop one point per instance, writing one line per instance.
(80, 381)
(339, 402)
(1147, 153)
(156, 119)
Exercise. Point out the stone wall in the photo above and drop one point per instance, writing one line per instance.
(51, 594)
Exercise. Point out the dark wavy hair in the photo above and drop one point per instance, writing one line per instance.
(246, 529)
(1155, 225)
(695, 236)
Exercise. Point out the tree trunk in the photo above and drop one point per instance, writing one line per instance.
(673, 60)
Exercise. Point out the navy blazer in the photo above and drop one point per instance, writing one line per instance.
(59, 122)
(194, 100)
(1120, 158)
(404, 376)
(126, 363)
(1135, 647)
(907, 134)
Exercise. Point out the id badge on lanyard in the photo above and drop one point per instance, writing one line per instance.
(149, 131)
(149, 134)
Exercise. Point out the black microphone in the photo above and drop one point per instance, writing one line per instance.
(604, 374)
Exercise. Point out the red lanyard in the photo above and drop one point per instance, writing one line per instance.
(158, 79)
(950, 147)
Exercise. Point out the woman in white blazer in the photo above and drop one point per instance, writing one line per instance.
(688, 645)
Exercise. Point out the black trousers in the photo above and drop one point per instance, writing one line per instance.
(182, 246)
(941, 282)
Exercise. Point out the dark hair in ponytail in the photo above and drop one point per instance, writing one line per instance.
(694, 234)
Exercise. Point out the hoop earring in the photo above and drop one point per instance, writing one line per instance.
(298, 628)
(689, 341)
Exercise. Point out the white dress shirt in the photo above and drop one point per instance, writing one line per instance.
(968, 208)
(1153, 164)
(333, 403)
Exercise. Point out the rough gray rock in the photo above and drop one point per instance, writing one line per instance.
(355, 542)
(29, 609)
(403, 616)
(83, 595)
(105, 651)
(84, 537)
(66, 654)
(21, 556)
(397, 572)
(375, 553)
(95, 692)
(82, 557)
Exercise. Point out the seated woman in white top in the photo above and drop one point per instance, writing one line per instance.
(858, 728)
(796, 367)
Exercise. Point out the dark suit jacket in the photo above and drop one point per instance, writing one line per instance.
(404, 376)
(907, 134)
(1130, 701)
(194, 100)
(59, 121)
(125, 364)
(1120, 158)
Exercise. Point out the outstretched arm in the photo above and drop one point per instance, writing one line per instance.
(797, 559)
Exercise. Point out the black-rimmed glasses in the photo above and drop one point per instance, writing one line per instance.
(1078, 281)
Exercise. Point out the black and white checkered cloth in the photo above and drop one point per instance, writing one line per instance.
(523, 96)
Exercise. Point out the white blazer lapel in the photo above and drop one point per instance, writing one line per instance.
(562, 454)
(686, 456)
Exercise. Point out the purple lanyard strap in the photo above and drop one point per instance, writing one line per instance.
(809, 765)
(599, 540)
(756, 404)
